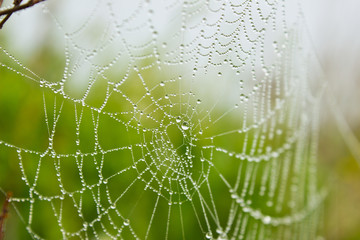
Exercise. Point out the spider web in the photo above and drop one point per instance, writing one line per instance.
(169, 120)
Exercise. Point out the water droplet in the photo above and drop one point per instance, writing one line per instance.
(243, 97)
(178, 119)
(126, 222)
(266, 219)
(185, 126)
(162, 84)
(246, 209)
(198, 101)
(275, 44)
(256, 214)
(219, 74)
(208, 235)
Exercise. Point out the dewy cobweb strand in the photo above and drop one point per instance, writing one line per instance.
(185, 119)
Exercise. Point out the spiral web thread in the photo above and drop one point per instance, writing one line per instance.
(199, 126)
